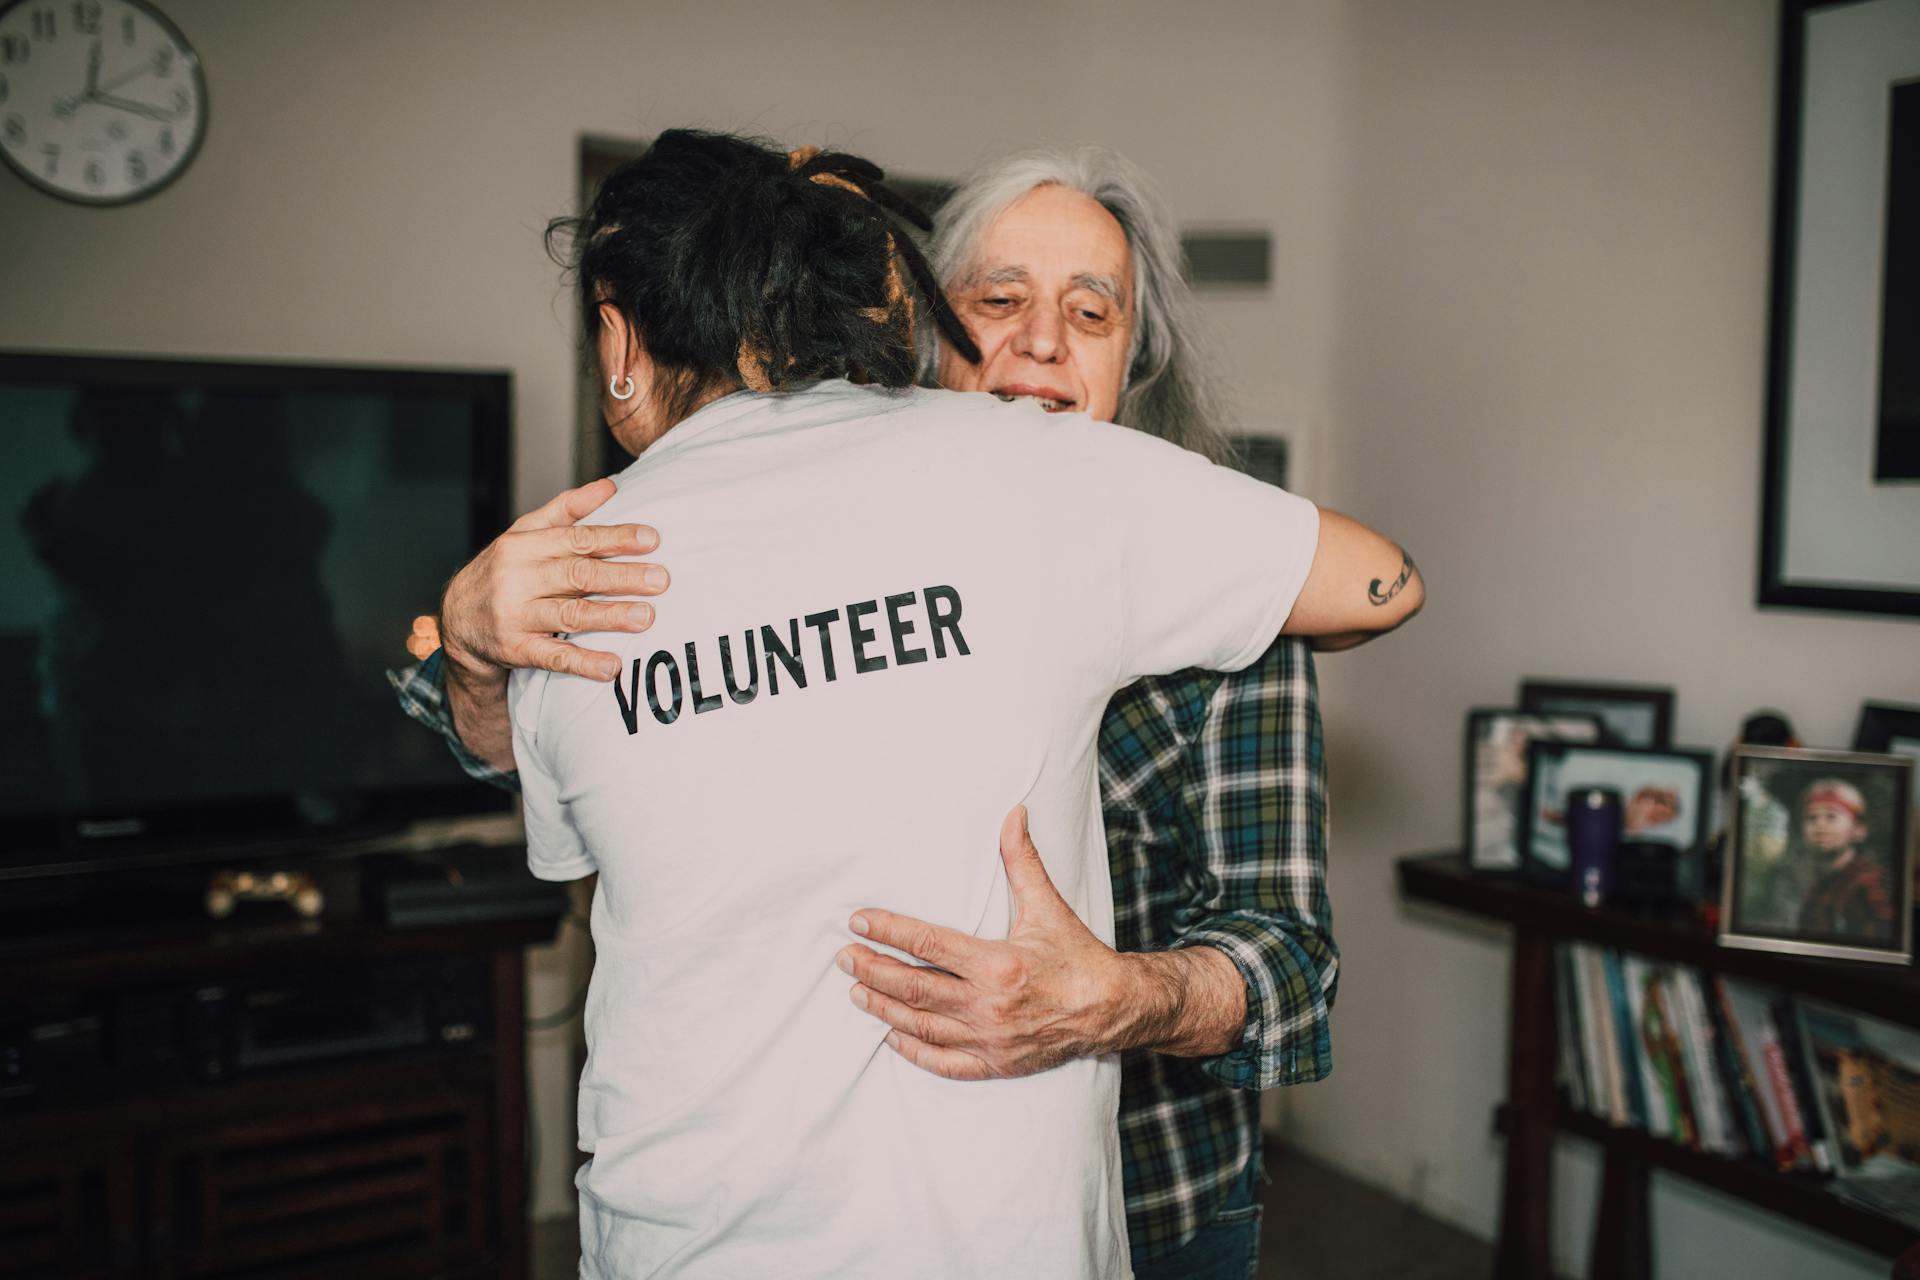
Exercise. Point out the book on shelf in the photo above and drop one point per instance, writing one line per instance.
(1603, 1056)
(1660, 1102)
(1736, 1070)
(1709, 1093)
(1572, 1073)
(1753, 1030)
(1865, 1077)
(1625, 1040)
(1686, 1089)
(1786, 1021)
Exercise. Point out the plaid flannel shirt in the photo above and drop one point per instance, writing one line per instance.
(1213, 790)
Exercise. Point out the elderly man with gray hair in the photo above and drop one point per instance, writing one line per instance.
(1065, 267)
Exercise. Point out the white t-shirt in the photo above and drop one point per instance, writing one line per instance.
(894, 616)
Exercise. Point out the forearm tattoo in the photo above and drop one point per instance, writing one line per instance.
(1375, 594)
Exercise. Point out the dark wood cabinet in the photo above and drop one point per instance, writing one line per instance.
(404, 1163)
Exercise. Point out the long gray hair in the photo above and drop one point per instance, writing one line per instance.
(1173, 389)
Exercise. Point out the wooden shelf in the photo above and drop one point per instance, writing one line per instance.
(1887, 991)
(1535, 1110)
(176, 949)
(1801, 1197)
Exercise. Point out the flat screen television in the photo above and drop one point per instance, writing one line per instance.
(206, 570)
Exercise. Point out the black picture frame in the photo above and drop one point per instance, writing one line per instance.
(1607, 701)
(1490, 851)
(1555, 765)
(1784, 486)
(1892, 728)
(1749, 917)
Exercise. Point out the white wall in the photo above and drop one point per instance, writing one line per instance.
(1550, 311)
(1518, 321)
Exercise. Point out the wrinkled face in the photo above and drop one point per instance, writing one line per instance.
(1831, 828)
(1050, 303)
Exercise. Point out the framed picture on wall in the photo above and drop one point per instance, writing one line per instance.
(1631, 715)
(1496, 756)
(1820, 854)
(1840, 519)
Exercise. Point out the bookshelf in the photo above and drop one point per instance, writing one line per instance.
(1534, 1111)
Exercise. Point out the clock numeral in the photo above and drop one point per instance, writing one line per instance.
(14, 50)
(163, 60)
(4, 88)
(136, 167)
(86, 17)
(182, 99)
(166, 142)
(16, 130)
(44, 27)
(117, 130)
(52, 152)
(96, 174)
(126, 29)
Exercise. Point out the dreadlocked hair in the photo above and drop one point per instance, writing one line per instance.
(738, 264)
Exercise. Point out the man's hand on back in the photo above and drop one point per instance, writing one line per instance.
(1051, 992)
(501, 611)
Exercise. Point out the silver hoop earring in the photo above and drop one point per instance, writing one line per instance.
(614, 392)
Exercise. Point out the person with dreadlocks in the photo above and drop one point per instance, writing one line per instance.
(899, 611)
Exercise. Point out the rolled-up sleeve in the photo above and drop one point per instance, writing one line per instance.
(422, 690)
(1254, 813)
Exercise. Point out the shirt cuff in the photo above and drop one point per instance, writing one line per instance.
(1287, 1038)
(422, 690)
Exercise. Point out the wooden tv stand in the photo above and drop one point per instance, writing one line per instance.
(408, 1162)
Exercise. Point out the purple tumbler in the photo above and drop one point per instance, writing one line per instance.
(1593, 841)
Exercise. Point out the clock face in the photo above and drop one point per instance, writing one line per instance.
(101, 101)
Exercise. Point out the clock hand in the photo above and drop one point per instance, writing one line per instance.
(64, 107)
(123, 78)
(135, 108)
(95, 92)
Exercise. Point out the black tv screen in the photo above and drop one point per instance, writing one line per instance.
(206, 571)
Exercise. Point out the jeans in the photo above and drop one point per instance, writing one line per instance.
(1227, 1248)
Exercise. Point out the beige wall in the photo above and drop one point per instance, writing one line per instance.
(1549, 328)
(1521, 262)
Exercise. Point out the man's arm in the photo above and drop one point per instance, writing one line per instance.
(422, 690)
(1361, 585)
(1050, 992)
(1254, 799)
(503, 609)
(1249, 985)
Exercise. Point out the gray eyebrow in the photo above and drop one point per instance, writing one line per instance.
(999, 275)
(1106, 286)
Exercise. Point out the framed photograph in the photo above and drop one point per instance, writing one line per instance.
(1630, 715)
(1890, 729)
(1496, 755)
(1866, 1076)
(1663, 798)
(1840, 513)
(1820, 854)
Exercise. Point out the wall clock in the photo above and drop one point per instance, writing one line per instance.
(101, 101)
